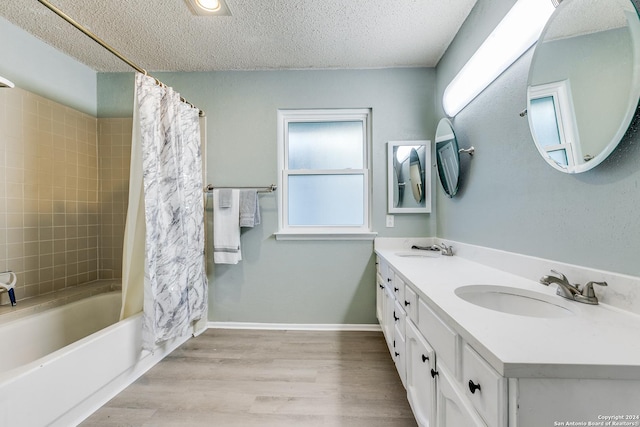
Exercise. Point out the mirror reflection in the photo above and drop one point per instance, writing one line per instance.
(584, 86)
(408, 182)
(448, 157)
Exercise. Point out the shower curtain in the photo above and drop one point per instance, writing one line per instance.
(166, 201)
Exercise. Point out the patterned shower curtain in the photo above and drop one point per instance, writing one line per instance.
(175, 282)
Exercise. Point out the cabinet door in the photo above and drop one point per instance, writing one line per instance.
(399, 355)
(379, 299)
(388, 322)
(421, 387)
(454, 410)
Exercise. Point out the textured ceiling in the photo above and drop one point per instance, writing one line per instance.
(164, 35)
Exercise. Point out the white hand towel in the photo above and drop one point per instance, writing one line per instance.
(226, 230)
(249, 208)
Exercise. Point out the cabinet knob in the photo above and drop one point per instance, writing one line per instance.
(473, 387)
(381, 286)
(397, 354)
(424, 358)
(395, 289)
(434, 373)
(388, 279)
(407, 303)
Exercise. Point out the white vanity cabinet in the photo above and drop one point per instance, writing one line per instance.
(434, 364)
(391, 314)
(464, 366)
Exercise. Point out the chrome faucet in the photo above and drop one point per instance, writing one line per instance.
(565, 289)
(446, 250)
(584, 294)
(9, 285)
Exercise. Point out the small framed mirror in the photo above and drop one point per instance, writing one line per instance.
(409, 184)
(448, 157)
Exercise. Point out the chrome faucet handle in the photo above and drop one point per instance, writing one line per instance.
(562, 276)
(587, 295)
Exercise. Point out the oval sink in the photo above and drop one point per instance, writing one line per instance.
(513, 301)
(418, 254)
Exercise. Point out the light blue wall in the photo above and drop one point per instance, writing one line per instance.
(39, 68)
(287, 281)
(510, 198)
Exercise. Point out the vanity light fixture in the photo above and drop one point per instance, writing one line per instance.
(518, 31)
(209, 7)
(6, 82)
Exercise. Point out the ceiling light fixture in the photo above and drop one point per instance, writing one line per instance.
(209, 7)
(515, 34)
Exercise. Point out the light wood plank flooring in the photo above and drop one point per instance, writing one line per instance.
(266, 378)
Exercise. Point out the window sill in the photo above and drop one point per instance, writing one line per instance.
(294, 235)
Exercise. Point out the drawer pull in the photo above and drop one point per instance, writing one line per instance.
(473, 387)
(434, 373)
(424, 358)
(395, 289)
(388, 279)
(407, 303)
(381, 286)
(394, 317)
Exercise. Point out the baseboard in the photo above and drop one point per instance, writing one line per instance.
(295, 326)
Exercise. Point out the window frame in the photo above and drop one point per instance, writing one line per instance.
(297, 232)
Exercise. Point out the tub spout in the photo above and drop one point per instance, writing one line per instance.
(8, 282)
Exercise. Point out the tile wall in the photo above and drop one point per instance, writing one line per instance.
(114, 153)
(59, 225)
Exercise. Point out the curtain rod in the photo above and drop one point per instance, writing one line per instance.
(102, 43)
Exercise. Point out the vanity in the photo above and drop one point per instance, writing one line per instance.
(479, 345)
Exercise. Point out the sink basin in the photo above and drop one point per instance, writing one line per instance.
(418, 254)
(513, 301)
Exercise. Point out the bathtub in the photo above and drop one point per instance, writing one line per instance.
(59, 365)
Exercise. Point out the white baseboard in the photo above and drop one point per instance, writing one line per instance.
(295, 326)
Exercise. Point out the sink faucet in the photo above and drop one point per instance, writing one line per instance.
(584, 294)
(10, 278)
(446, 250)
(565, 289)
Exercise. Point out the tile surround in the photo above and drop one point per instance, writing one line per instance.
(63, 191)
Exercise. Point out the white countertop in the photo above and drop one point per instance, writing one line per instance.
(598, 341)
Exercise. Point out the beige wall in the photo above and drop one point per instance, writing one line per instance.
(56, 221)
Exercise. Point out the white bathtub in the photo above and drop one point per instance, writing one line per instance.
(58, 366)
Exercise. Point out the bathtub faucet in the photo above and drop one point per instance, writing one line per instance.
(8, 282)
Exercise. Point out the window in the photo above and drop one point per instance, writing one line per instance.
(323, 158)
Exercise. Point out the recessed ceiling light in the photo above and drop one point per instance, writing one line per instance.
(209, 7)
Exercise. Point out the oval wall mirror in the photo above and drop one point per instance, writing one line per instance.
(447, 157)
(584, 82)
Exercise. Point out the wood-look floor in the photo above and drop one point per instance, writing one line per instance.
(266, 378)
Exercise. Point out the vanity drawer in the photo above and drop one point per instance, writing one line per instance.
(484, 387)
(411, 304)
(444, 340)
(397, 287)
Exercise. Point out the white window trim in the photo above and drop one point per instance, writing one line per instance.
(287, 232)
(566, 120)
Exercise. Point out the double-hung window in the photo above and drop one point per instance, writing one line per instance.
(323, 158)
